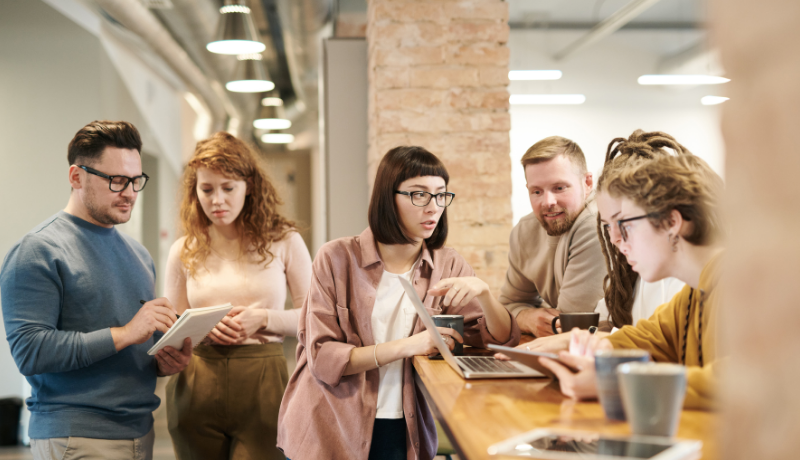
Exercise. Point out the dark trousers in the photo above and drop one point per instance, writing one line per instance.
(388, 439)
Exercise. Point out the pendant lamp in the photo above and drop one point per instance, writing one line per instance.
(249, 75)
(236, 33)
(271, 116)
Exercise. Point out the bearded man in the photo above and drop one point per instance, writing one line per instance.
(555, 261)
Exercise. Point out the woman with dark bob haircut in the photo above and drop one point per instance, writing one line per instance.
(358, 332)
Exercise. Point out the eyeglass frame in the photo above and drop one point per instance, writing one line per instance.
(624, 233)
(431, 196)
(111, 179)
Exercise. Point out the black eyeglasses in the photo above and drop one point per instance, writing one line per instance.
(623, 231)
(120, 183)
(421, 199)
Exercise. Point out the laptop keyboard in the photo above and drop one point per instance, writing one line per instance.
(487, 364)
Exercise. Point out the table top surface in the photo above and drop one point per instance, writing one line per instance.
(479, 413)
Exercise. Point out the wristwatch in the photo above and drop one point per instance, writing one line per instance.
(592, 329)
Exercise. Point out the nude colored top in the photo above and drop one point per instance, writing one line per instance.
(564, 272)
(245, 282)
(327, 415)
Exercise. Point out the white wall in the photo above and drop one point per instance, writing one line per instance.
(615, 105)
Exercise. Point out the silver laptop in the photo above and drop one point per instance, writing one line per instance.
(468, 367)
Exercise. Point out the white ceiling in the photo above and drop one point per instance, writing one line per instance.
(572, 13)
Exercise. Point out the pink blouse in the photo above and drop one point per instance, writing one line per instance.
(327, 415)
(247, 283)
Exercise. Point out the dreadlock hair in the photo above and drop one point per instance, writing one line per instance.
(639, 148)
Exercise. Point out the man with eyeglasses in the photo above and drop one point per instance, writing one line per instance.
(555, 260)
(71, 291)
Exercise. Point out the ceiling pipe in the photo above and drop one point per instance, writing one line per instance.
(606, 27)
(141, 21)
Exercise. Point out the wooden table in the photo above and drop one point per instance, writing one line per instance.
(478, 413)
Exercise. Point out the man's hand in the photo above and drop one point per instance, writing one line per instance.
(155, 315)
(171, 361)
(239, 324)
(537, 321)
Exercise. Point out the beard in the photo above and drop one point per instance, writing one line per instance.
(559, 226)
(104, 215)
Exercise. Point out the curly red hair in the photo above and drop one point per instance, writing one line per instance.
(259, 222)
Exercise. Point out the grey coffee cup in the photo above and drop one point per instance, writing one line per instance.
(605, 364)
(453, 322)
(652, 395)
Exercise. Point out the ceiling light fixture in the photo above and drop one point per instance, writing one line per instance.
(272, 101)
(713, 100)
(547, 99)
(236, 32)
(681, 80)
(277, 138)
(271, 117)
(518, 75)
(249, 76)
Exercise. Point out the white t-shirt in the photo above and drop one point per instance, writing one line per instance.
(392, 319)
(646, 298)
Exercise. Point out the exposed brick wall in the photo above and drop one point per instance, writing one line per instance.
(438, 72)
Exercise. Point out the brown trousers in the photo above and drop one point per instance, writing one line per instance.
(225, 404)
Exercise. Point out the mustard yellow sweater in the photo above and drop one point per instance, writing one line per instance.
(663, 335)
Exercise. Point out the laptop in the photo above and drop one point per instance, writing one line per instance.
(468, 367)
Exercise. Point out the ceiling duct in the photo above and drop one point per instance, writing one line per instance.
(606, 27)
(141, 21)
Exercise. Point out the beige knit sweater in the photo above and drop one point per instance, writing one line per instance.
(564, 272)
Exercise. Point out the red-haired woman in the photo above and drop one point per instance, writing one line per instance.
(353, 394)
(237, 248)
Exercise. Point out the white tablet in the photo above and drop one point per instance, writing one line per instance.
(571, 445)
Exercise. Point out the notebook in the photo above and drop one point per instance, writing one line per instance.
(468, 367)
(194, 323)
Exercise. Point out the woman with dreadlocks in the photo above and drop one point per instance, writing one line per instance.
(668, 226)
(627, 298)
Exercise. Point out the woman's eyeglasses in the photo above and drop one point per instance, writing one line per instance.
(421, 199)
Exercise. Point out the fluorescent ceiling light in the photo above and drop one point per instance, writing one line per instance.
(277, 138)
(272, 123)
(534, 75)
(547, 99)
(272, 102)
(249, 86)
(682, 80)
(713, 100)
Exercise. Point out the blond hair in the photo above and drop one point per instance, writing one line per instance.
(685, 184)
(553, 146)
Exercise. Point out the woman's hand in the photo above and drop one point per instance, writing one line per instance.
(577, 385)
(421, 343)
(551, 344)
(239, 324)
(459, 292)
(584, 343)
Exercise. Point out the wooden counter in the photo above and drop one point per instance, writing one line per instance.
(478, 413)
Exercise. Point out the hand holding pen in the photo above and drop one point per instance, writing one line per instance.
(155, 315)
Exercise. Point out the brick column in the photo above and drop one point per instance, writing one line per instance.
(438, 72)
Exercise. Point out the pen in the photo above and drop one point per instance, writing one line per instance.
(144, 302)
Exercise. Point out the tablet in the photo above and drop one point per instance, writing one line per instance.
(571, 445)
(529, 358)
